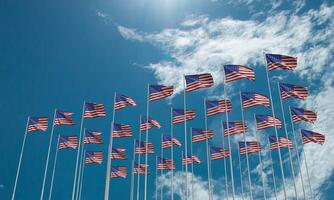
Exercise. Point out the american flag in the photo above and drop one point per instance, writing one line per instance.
(93, 157)
(140, 147)
(250, 99)
(281, 142)
(200, 134)
(168, 141)
(68, 142)
(299, 114)
(165, 164)
(310, 136)
(218, 106)
(147, 123)
(93, 110)
(118, 172)
(232, 128)
(181, 115)
(275, 61)
(121, 130)
(249, 147)
(140, 168)
(218, 153)
(197, 81)
(236, 72)
(63, 118)
(118, 153)
(190, 159)
(92, 137)
(267, 121)
(293, 91)
(121, 101)
(37, 123)
(160, 92)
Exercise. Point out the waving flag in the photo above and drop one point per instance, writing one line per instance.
(118, 153)
(141, 147)
(165, 164)
(293, 91)
(267, 121)
(140, 168)
(249, 147)
(147, 123)
(250, 99)
(275, 61)
(168, 141)
(121, 130)
(93, 157)
(68, 142)
(92, 137)
(235, 72)
(299, 114)
(63, 118)
(118, 172)
(190, 159)
(181, 115)
(232, 128)
(37, 123)
(160, 92)
(218, 106)
(310, 136)
(93, 110)
(218, 153)
(281, 142)
(121, 101)
(197, 81)
(201, 134)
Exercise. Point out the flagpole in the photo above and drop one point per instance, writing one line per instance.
(78, 152)
(287, 137)
(156, 180)
(241, 181)
(225, 169)
(80, 165)
(146, 145)
(108, 179)
(182, 197)
(207, 151)
(20, 160)
(47, 158)
(138, 174)
(192, 171)
(172, 151)
(247, 158)
(132, 170)
(229, 146)
(185, 134)
(276, 132)
(298, 159)
(273, 171)
(82, 173)
(54, 168)
(161, 171)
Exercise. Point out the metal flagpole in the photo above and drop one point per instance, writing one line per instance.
(78, 152)
(82, 174)
(229, 146)
(185, 134)
(298, 159)
(241, 182)
(47, 158)
(182, 197)
(287, 137)
(225, 169)
(156, 180)
(161, 171)
(138, 174)
(276, 132)
(107, 184)
(212, 191)
(207, 152)
(146, 145)
(80, 165)
(192, 172)
(273, 171)
(21, 154)
(172, 151)
(132, 171)
(54, 168)
(261, 165)
(247, 158)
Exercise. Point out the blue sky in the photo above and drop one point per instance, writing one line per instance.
(58, 54)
